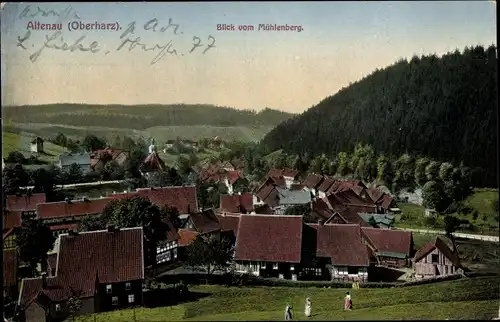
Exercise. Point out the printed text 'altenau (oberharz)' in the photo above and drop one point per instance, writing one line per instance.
(75, 25)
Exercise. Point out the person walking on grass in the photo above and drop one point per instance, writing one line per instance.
(347, 302)
(308, 307)
(288, 313)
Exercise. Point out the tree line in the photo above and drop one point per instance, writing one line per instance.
(140, 117)
(444, 108)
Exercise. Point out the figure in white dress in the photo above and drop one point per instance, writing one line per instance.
(308, 308)
(288, 313)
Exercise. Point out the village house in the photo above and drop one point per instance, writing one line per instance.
(312, 183)
(105, 269)
(269, 245)
(64, 216)
(324, 186)
(182, 198)
(209, 223)
(239, 203)
(99, 158)
(288, 198)
(153, 162)
(436, 258)
(233, 179)
(391, 248)
(341, 253)
(37, 145)
(289, 175)
(379, 220)
(82, 160)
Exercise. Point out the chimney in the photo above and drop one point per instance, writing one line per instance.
(44, 280)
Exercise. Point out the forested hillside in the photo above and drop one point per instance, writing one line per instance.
(440, 107)
(140, 117)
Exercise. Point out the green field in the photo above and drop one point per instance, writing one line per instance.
(412, 216)
(470, 298)
(21, 142)
(160, 133)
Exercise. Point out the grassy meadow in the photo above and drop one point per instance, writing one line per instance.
(468, 298)
(481, 200)
(21, 142)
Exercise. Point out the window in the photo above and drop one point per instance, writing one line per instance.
(131, 298)
(109, 289)
(434, 258)
(275, 265)
(9, 242)
(175, 252)
(114, 300)
(352, 270)
(128, 286)
(168, 256)
(58, 307)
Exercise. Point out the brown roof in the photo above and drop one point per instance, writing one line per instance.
(342, 243)
(109, 257)
(263, 209)
(205, 221)
(183, 198)
(274, 172)
(11, 219)
(386, 201)
(388, 240)
(350, 214)
(64, 227)
(375, 194)
(442, 246)
(26, 202)
(269, 238)
(172, 233)
(289, 173)
(153, 162)
(233, 176)
(312, 180)
(237, 203)
(52, 262)
(74, 208)
(325, 185)
(277, 181)
(10, 264)
(186, 237)
(229, 222)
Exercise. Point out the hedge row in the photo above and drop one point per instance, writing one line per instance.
(250, 280)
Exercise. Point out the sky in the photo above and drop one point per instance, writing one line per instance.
(339, 43)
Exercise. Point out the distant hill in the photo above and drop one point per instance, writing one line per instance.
(141, 117)
(441, 107)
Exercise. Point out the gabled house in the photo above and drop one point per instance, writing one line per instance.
(384, 201)
(350, 199)
(288, 198)
(82, 160)
(105, 269)
(37, 145)
(183, 198)
(269, 245)
(341, 248)
(390, 247)
(312, 182)
(232, 179)
(202, 222)
(289, 176)
(324, 186)
(26, 204)
(436, 258)
(168, 248)
(239, 203)
(99, 158)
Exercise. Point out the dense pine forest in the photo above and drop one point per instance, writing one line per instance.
(444, 108)
(140, 117)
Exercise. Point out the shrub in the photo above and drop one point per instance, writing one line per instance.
(475, 214)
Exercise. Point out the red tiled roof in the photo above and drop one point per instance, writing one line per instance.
(25, 203)
(64, 227)
(312, 180)
(237, 203)
(342, 243)
(350, 214)
(289, 173)
(74, 208)
(269, 238)
(186, 237)
(52, 262)
(277, 181)
(10, 264)
(172, 234)
(326, 184)
(274, 172)
(229, 222)
(388, 240)
(263, 209)
(205, 222)
(111, 257)
(386, 201)
(441, 245)
(153, 162)
(182, 198)
(375, 194)
(11, 219)
(233, 176)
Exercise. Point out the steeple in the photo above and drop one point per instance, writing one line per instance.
(152, 147)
